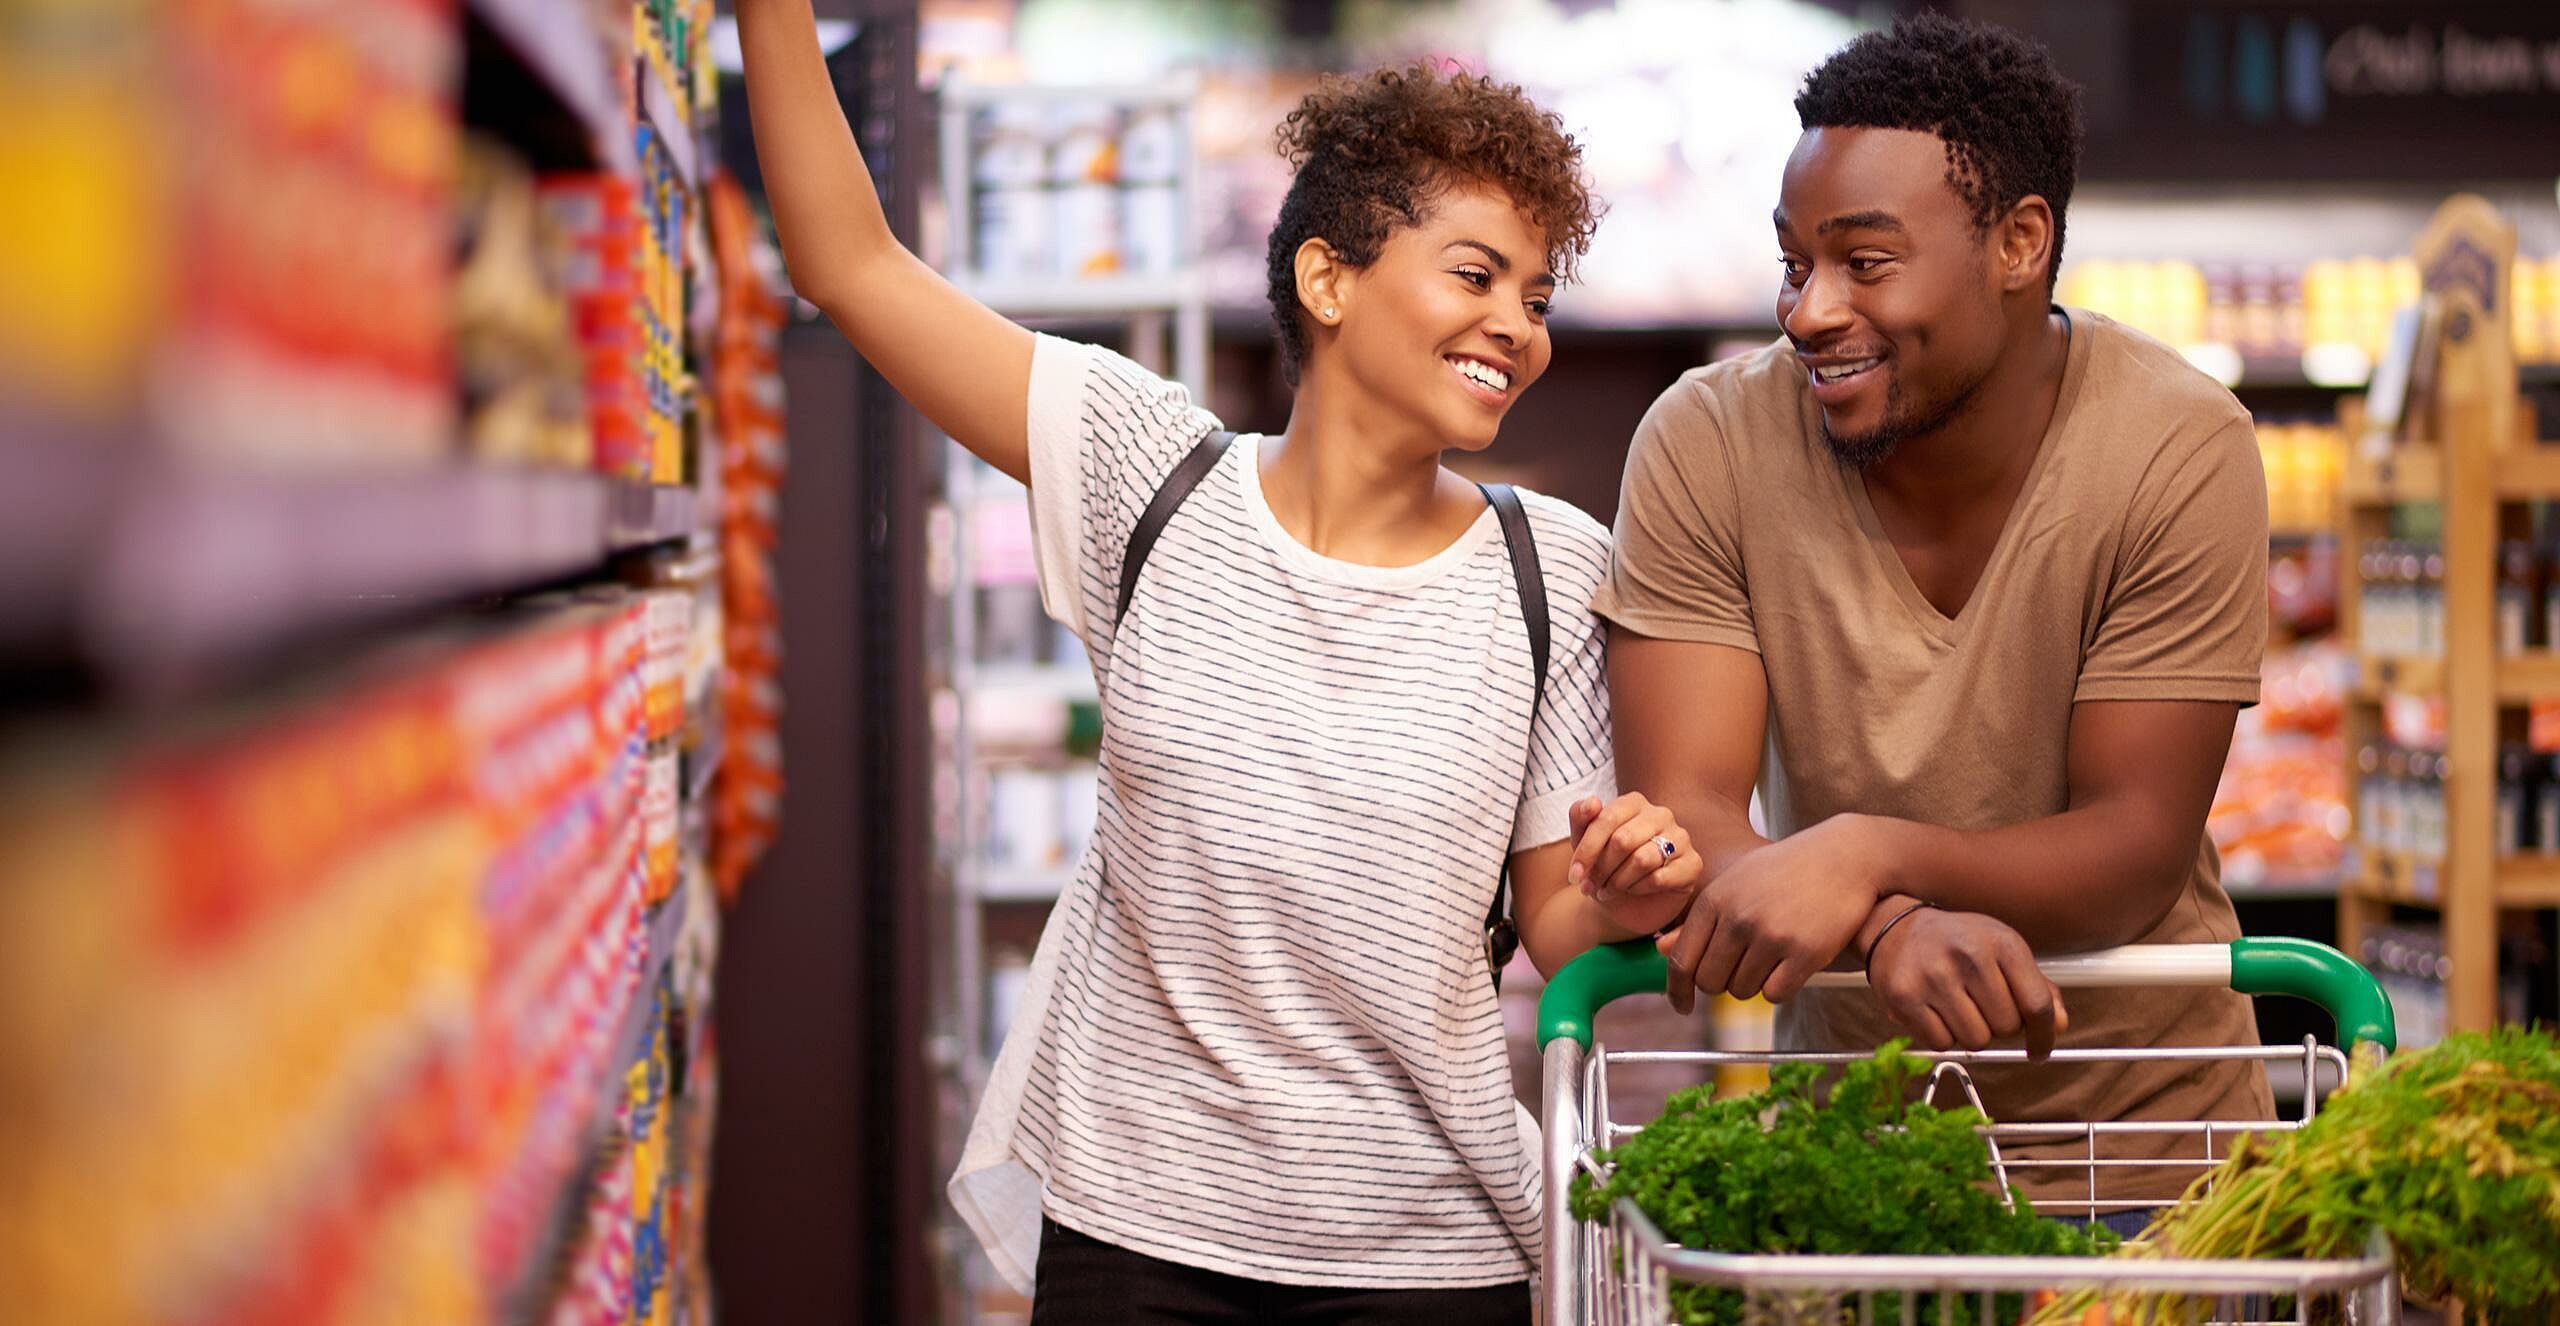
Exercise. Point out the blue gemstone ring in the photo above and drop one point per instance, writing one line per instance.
(1668, 848)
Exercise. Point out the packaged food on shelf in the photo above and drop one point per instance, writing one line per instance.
(522, 375)
(2279, 815)
(746, 404)
(348, 966)
(600, 213)
(164, 275)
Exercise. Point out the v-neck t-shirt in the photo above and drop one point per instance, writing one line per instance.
(2132, 566)
(1259, 1035)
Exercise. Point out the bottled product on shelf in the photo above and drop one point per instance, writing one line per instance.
(2400, 801)
(2402, 582)
(1059, 186)
(2283, 311)
(2305, 460)
(2411, 963)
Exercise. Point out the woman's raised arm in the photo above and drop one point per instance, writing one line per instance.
(961, 363)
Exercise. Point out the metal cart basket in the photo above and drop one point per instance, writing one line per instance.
(1620, 1271)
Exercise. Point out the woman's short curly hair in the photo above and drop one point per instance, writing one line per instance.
(1372, 152)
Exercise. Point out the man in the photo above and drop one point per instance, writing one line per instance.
(1971, 586)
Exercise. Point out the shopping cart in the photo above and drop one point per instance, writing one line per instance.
(1619, 1271)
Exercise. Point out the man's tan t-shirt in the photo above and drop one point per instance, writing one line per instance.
(2132, 567)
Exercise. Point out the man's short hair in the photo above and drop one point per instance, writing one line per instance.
(2010, 120)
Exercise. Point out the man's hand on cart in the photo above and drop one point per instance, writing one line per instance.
(1774, 917)
(1961, 980)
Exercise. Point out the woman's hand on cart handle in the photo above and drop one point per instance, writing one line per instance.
(1961, 980)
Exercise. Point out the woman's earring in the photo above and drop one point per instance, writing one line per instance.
(1328, 315)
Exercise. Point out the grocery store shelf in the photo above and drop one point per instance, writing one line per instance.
(2380, 674)
(2281, 887)
(639, 514)
(675, 128)
(1071, 682)
(196, 566)
(1025, 883)
(2317, 369)
(1089, 296)
(561, 46)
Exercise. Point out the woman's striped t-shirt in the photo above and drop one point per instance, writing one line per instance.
(1259, 1035)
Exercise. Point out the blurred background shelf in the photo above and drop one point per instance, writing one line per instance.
(555, 45)
(193, 568)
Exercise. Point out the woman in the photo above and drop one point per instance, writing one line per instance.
(1259, 1071)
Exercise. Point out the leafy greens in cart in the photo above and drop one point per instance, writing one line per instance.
(1868, 1171)
(2453, 1152)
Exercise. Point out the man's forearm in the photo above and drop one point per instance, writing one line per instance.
(1720, 828)
(2088, 878)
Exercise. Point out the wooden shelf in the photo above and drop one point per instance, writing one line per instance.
(2482, 456)
(2530, 473)
(2402, 475)
(2398, 877)
(2527, 472)
(2521, 678)
(2529, 676)
(2378, 675)
(2529, 881)
(2523, 882)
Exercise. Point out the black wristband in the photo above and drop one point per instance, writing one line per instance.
(1878, 942)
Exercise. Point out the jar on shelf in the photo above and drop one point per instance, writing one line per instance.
(2428, 597)
(2515, 812)
(2517, 598)
(1085, 171)
(2371, 787)
(1014, 229)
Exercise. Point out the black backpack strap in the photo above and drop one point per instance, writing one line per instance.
(1501, 937)
(1177, 486)
(1523, 547)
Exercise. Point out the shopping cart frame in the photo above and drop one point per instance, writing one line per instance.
(1577, 1284)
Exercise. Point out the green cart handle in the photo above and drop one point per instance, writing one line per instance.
(2294, 967)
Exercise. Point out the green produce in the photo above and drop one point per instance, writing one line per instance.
(1868, 1171)
(2454, 1153)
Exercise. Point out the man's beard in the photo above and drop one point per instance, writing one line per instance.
(1860, 451)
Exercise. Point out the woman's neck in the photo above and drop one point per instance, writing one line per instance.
(1353, 491)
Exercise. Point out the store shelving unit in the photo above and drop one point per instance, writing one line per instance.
(228, 613)
(2472, 452)
(1044, 701)
(557, 44)
(1151, 306)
